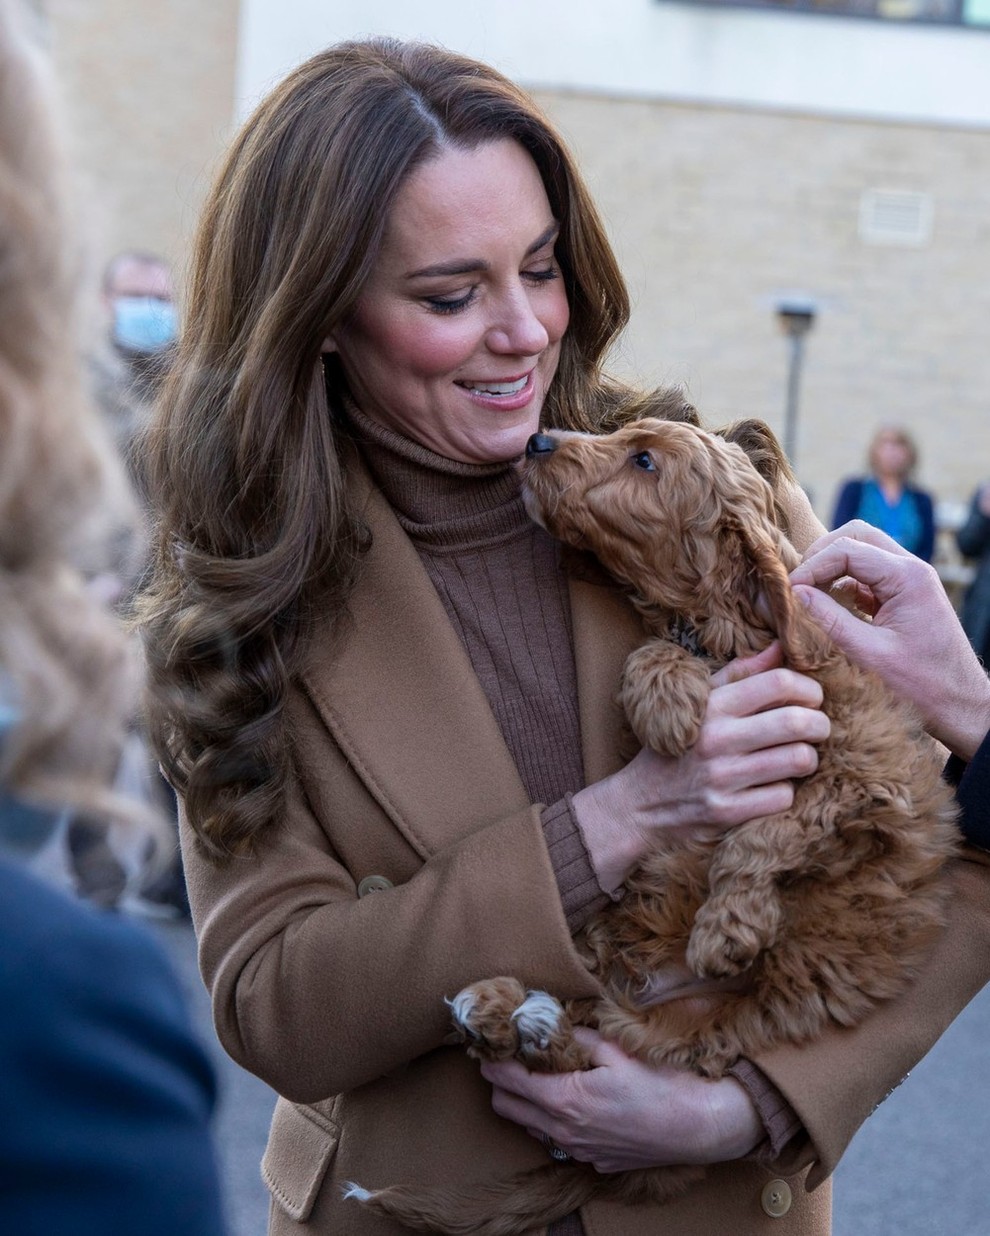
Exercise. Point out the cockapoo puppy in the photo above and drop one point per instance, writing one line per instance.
(718, 949)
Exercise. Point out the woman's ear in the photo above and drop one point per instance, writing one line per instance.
(328, 345)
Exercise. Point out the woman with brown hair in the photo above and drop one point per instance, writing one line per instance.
(385, 697)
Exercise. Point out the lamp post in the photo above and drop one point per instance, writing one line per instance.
(796, 318)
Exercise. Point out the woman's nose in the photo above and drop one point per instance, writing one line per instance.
(517, 329)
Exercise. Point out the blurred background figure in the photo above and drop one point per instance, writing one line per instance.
(138, 295)
(973, 539)
(107, 1095)
(127, 366)
(886, 498)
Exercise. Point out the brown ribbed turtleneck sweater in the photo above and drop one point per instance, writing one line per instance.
(500, 580)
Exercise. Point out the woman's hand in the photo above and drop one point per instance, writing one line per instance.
(624, 1114)
(914, 641)
(758, 734)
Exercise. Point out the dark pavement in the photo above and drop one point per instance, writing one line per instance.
(919, 1167)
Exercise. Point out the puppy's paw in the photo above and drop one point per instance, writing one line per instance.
(722, 946)
(664, 694)
(482, 1017)
(539, 1020)
(500, 1020)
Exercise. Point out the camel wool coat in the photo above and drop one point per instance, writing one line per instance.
(410, 863)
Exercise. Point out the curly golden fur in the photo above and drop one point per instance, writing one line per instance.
(722, 949)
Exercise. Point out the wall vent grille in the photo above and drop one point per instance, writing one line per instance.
(896, 217)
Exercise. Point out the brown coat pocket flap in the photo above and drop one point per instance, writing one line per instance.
(300, 1147)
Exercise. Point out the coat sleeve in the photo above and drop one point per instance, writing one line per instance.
(318, 990)
(835, 1083)
(107, 1094)
(973, 537)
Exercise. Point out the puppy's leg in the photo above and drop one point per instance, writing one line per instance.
(664, 693)
(742, 915)
(500, 1019)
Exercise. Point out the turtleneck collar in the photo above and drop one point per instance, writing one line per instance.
(443, 505)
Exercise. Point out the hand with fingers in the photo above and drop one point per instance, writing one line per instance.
(759, 733)
(913, 638)
(621, 1114)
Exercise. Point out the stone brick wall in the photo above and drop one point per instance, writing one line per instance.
(149, 95)
(716, 212)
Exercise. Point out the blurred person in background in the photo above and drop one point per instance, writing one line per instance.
(138, 296)
(886, 498)
(127, 365)
(973, 539)
(107, 1095)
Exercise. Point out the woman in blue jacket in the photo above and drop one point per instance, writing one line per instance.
(886, 499)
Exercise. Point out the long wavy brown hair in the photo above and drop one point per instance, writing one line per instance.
(243, 458)
(64, 671)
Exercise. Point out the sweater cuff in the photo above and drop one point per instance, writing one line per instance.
(780, 1120)
(580, 893)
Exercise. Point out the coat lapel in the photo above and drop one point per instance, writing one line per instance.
(606, 629)
(404, 705)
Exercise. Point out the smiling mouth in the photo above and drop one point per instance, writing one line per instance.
(496, 388)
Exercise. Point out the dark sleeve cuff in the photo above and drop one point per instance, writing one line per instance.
(972, 785)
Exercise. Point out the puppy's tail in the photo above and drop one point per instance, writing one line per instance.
(495, 1208)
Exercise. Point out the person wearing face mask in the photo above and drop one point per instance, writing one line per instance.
(139, 297)
(126, 370)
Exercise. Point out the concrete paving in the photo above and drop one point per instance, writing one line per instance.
(917, 1168)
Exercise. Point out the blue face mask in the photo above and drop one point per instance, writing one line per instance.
(144, 323)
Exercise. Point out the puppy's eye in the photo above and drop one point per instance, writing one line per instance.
(644, 460)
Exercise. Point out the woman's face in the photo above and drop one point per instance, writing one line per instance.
(891, 455)
(456, 337)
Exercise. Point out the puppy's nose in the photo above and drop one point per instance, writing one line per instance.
(540, 444)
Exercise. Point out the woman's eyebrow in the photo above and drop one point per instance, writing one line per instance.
(464, 266)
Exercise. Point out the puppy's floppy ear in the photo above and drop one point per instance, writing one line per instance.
(803, 644)
(766, 455)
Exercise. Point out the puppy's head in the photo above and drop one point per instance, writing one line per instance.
(680, 515)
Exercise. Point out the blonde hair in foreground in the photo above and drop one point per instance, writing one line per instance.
(63, 665)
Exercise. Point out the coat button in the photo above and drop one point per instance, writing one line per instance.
(776, 1198)
(373, 884)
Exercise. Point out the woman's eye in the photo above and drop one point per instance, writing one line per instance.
(451, 304)
(543, 276)
(644, 460)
